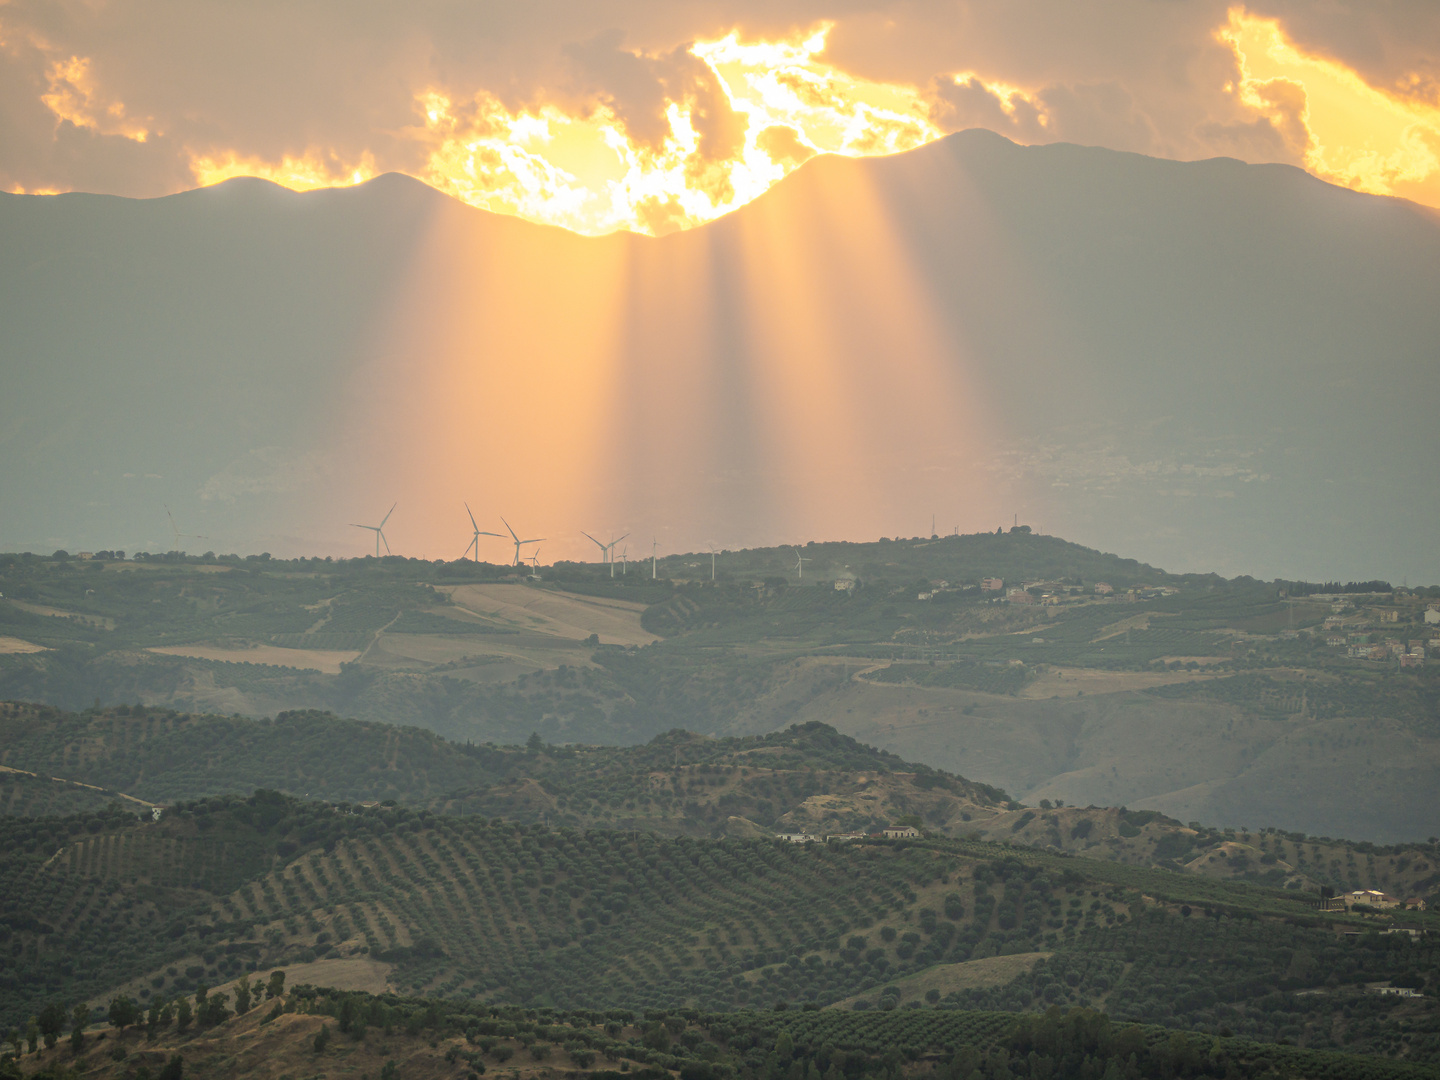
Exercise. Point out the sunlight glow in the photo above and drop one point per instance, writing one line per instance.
(588, 174)
(307, 173)
(1348, 131)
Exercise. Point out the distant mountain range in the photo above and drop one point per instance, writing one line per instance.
(1209, 366)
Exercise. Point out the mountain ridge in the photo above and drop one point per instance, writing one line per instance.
(1080, 331)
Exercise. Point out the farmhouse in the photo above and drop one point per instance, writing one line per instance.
(898, 832)
(1369, 898)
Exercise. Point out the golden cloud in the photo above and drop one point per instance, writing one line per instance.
(74, 96)
(308, 172)
(1346, 131)
(586, 171)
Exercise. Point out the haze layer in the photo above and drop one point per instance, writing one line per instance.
(1207, 365)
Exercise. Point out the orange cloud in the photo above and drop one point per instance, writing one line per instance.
(1345, 130)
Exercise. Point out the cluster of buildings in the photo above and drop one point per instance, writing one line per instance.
(890, 832)
(1346, 629)
(1410, 653)
(1371, 898)
(1055, 593)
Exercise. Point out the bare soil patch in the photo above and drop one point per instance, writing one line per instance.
(353, 973)
(15, 645)
(513, 653)
(1068, 681)
(326, 661)
(972, 974)
(101, 621)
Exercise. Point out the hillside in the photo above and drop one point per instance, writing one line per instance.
(678, 783)
(808, 779)
(483, 909)
(1042, 695)
(1149, 356)
(305, 1028)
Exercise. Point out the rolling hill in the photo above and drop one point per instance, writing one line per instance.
(1228, 703)
(308, 1027)
(805, 779)
(484, 910)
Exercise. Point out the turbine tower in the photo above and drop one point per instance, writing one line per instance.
(379, 531)
(475, 541)
(654, 547)
(800, 561)
(712, 562)
(610, 551)
(519, 542)
(624, 565)
(535, 563)
(176, 530)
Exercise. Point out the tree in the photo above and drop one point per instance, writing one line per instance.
(123, 1012)
(32, 1035)
(79, 1021)
(183, 1015)
(276, 986)
(322, 1039)
(242, 996)
(52, 1022)
(215, 1011)
(390, 1071)
(174, 1069)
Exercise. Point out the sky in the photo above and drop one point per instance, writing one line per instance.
(654, 117)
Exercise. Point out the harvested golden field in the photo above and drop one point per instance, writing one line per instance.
(564, 615)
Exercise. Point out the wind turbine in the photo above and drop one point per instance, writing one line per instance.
(800, 561)
(712, 562)
(654, 547)
(535, 563)
(597, 543)
(475, 542)
(379, 531)
(610, 550)
(176, 530)
(518, 542)
(624, 565)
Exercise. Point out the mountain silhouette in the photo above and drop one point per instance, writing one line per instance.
(1205, 365)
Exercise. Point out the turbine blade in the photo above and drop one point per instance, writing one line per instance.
(387, 516)
(381, 534)
(512, 531)
(472, 517)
